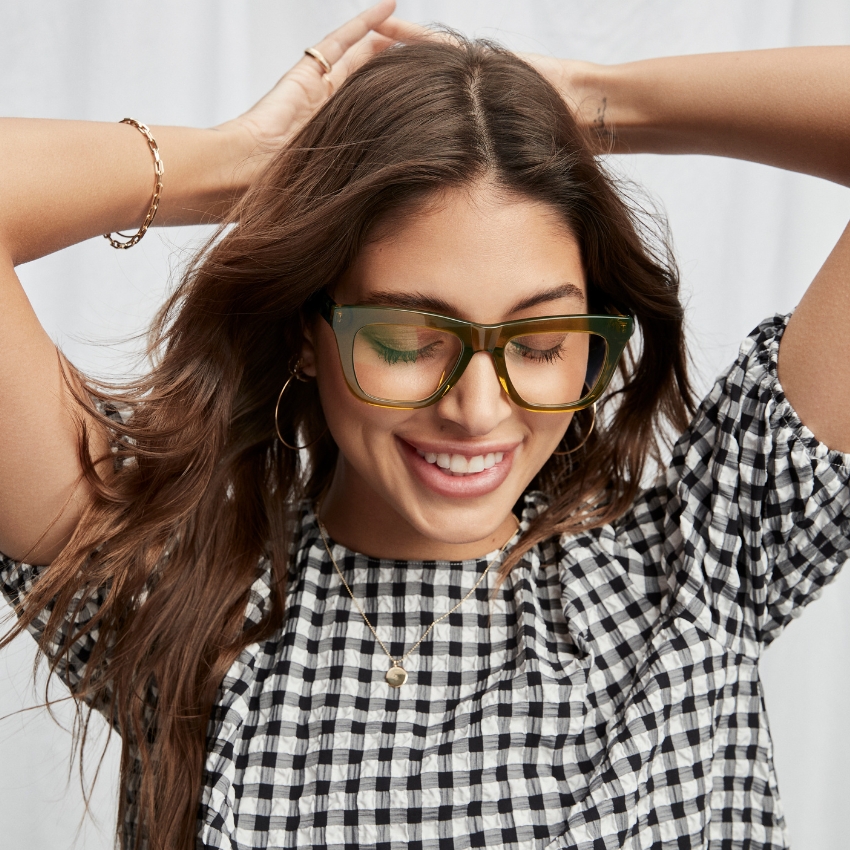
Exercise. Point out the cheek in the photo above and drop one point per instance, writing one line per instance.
(545, 431)
(353, 423)
(339, 405)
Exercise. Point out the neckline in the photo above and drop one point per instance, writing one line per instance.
(532, 502)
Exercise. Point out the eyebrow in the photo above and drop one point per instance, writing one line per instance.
(565, 290)
(429, 304)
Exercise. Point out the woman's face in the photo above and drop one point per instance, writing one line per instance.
(477, 255)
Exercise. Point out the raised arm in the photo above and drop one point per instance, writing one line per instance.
(65, 181)
(787, 108)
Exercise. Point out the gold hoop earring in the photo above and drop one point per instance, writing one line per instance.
(296, 373)
(586, 436)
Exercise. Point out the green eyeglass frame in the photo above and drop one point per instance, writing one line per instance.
(347, 321)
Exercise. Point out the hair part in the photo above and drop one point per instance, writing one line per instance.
(203, 494)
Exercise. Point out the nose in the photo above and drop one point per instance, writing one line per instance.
(477, 402)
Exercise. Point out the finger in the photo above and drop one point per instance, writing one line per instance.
(391, 31)
(359, 54)
(405, 31)
(334, 46)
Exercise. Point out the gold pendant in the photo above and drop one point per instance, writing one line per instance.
(396, 676)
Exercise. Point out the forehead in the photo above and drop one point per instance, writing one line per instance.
(478, 252)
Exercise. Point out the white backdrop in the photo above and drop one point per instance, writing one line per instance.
(748, 239)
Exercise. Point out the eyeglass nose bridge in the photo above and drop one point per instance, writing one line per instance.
(484, 338)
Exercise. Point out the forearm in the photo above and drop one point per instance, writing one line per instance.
(66, 181)
(789, 108)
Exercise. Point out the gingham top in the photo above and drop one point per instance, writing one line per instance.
(608, 697)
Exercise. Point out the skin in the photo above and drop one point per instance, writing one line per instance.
(75, 180)
(789, 108)
(69, 181)
(503, 250)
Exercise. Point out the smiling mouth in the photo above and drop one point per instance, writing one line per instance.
(460, 465)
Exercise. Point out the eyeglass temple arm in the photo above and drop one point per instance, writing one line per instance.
(326, 308)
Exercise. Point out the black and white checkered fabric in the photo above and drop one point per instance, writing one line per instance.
(608, 697)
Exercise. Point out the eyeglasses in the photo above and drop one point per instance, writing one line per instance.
(409, 359)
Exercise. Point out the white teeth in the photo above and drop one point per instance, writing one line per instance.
(460, 464)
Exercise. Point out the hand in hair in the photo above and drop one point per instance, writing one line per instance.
(68, 181)
(302, 90)
(765, 106)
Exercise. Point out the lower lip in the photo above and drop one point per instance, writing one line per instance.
(457, 486)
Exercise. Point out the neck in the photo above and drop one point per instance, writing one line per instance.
(359, 519)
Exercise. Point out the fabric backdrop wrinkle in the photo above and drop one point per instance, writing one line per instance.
(748, 239)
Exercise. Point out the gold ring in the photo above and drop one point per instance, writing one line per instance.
(315, 54)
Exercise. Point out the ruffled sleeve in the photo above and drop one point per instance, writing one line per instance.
(753, 518)
(16, 581)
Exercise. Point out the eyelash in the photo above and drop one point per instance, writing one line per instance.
(394, 355)
(549, 355)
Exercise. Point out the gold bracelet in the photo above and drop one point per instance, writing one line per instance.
(158, 169)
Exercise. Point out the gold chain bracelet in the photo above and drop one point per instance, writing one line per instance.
(158, 169)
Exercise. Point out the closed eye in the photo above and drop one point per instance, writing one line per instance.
(405, 355)
(403, 344)
(538, 348)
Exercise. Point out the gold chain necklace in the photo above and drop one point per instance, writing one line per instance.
(396, 676)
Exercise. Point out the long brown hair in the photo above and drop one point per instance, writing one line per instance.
(202, 491)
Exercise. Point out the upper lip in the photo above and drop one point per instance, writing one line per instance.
(460, 448)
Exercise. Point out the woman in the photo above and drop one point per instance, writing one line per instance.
(364, 560)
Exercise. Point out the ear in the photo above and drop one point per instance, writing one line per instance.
(308, 350)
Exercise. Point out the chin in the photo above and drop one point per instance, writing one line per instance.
(456, 522)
